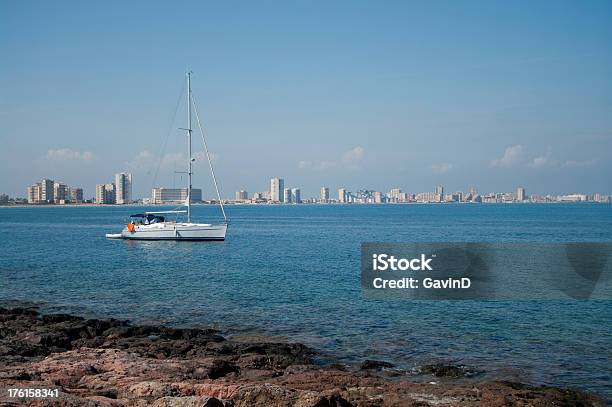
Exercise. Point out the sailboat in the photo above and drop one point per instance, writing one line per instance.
(153, 225)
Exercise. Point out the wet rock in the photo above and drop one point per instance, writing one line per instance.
(317, 400)
(25, 349)
(221, 368)
(19, 376)
(15, 313)
(101, 401)
(339, 366)
(444, 369)
(375, 365)
(188, 401)
(55, 318)
(55, 341)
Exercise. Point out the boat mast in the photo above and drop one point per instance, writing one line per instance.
(189, 142)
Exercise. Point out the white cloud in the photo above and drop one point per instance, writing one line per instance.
(141, 161)
(305, 164)
(320, 166)
(146, 160)
(66, 154)
(325, 165)
(353, 157)
(214, 157)
(172, 159)
(441, 168)
(511, 156)
(351, 160)
(200, 157)
(542, 161)
(145, 154)
(580, 164)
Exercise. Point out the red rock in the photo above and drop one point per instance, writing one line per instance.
(111, 363)
(189, 401)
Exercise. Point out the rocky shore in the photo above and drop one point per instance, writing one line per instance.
(108, 362)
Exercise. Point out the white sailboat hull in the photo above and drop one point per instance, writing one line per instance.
(176, 231)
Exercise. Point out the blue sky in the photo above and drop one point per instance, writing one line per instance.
(375, 95)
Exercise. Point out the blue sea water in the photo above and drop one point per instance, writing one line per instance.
(293, 272)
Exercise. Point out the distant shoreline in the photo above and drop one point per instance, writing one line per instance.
(140, 205)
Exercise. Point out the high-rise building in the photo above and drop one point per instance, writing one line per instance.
(100, 193)
(342, 195)
(61, 192)
(110, 193)
(428, 197)
(35, 193)
(47, 189)
(242, 195)
(175, 195)
(76, 195)
(572, 198)
(520, 194)
(277, 186)
(396, 195)
(296, 196)
(286, 195)
(123, 185)
(105, 194)
(377, 197)
(440, 190)
(324, 194)
(99, 199)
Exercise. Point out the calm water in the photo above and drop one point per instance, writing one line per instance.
(293, 271)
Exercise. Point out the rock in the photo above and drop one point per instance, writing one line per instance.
(19, 375)
(55, 318)
(151, 389)
(57, 341)
(448, 370)
(264, 395)
(221, 368)
(113, 363)
(102, 401)
(318, 400)
(25, 349)
(375, 365)
(188, 401)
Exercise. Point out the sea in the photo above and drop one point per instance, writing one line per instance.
(292, 272)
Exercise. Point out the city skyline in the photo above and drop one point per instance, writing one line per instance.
(50, 191)
(492, 94)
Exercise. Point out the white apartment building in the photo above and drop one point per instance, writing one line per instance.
(324, 194)
(342, 195)
(277, 186)
(174, 195)
(296, 195)
(286, 195)
(242, 195)
(123, 185)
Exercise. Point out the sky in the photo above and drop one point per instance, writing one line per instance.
(354, 94)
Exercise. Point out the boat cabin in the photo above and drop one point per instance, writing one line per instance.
(147, 218)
